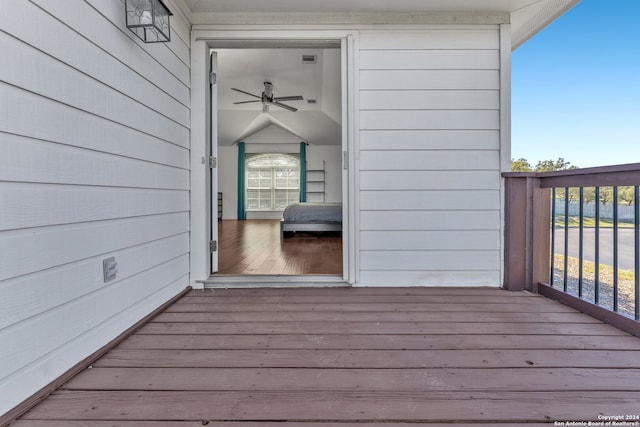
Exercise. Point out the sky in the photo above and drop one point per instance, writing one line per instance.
(576, 87)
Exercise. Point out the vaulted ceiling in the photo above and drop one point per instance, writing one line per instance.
(318, 118)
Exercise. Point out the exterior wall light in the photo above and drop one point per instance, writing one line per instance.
(149, 20)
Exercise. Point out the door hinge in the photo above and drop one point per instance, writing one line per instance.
(345, 160)
(213, 78)
(213, 162)
(213, 245)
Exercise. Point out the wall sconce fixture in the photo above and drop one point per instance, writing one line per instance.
(149, 20)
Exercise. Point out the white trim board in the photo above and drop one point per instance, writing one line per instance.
(202, 41)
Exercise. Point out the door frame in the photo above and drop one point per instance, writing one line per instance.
(202, 41)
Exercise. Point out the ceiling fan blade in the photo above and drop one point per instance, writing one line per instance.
(285, 106)
(289, 98)
(246, 93)
(246, 102)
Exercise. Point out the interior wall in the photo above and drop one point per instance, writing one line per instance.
(331, 155)
(228, 172)
(94, 163)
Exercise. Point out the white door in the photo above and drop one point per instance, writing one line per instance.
(213, 162)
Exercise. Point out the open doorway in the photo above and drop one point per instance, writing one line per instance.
(278, 141)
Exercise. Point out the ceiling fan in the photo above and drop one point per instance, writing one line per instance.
(268, 99)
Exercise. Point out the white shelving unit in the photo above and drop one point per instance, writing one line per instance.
(316, 184)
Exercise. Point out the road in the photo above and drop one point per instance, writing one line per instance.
(625, 245)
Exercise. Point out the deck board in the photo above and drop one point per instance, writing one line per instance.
(378, 328)
(360, 299)
(350, 357)
(373, 359)
(200, 423)
(380, 342)
(335, 405)
(222, 307)
(317, 379)
(380, 316)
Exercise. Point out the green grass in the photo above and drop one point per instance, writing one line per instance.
(589, 268)
(574, 221)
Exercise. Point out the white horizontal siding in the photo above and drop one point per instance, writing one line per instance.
(429, 180)
(173, 57)
(33, 160)
(458, 260)
(435, 39)
(432, 278)
(48, 77)
(60, 358)
(107, 68)
(433, 240)
(429, 79)
(33, 205)
(430, 59)
(448, 139)
(44, 332)
(103, 23)
(55, 289)
(430, 119)
(29, 250)
(469, 219)
(428, 199)
(430, 157)
(430, 100)
(94, 163)
(27, 114)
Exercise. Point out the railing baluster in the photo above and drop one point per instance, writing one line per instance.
(596, 256)
(581, 242)
(615, 248)
(607, 294)
(636, 251)
(565, 283)
(553, 233)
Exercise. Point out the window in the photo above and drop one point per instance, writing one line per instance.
(272, 181)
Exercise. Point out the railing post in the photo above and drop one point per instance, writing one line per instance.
(541, 256)
(527, 220)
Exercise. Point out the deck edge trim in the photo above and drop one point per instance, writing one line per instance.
(609, 317)
(30, 402)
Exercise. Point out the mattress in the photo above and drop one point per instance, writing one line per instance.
(312, 212)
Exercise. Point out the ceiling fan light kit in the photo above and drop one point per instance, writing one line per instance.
(268, 99)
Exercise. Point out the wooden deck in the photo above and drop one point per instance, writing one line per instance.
(352, 357)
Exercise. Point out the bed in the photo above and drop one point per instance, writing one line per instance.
(311, 217)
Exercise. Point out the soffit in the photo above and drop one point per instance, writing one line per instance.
(527, 17)
(355, 6)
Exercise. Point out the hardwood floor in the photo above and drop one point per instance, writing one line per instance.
(254, 247)
(347, 357)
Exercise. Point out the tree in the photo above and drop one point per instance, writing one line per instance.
(521, 165)
(553, 165)
(589, 194)
(626, 194)
(606, 195)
